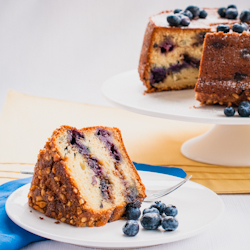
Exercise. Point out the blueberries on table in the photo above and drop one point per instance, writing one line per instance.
(224, 28)
(133, 213)
(245, 16)
(171, 210)
(222, 12)
(177, 11)
(131, 228)
(244, 109)
(151, 221)
(169, 223)
(229, 111)
(160, 206)
(231, 13)
(174, 20)
(240, 27)
(194, 10)
(203, 14)
(150, 210)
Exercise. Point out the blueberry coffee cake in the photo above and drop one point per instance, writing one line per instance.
(224, 76)
(173, 43)
(85, 177)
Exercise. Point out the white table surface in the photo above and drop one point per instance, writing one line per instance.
(66, 49)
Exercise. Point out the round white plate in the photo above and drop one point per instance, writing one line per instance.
(198, 207)
(127, 91)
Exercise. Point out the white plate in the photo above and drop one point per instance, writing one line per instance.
(126, 91)
(198, 207)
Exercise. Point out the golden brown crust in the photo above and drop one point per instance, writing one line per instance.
(56, 195)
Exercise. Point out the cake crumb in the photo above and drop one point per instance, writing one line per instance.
(57, 222)
(31, 211)
(195, 107)
(41, 218)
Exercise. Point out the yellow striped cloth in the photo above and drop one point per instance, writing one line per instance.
(27, 121)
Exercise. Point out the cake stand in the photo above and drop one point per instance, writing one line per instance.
(226, 144)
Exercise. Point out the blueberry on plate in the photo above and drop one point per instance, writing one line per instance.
(160, 206)
(229, 111)
(239, 27)
(174, 20)
(232, 6)
(132, 213)
(169, 223)
(223, 27)
(231, 13)
(244, 109)
(222, 11)
(177, 11)
(203, 14)
(151, 221)
(171, 210)
(245, 16)
(187, 13)
(150, 210)
(194, 10)
(185, 21)
(131, 228)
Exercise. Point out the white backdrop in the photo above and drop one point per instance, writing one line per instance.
(66, 49)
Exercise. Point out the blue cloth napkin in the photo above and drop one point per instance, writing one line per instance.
(13, 237)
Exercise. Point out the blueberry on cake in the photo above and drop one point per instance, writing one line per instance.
(224, 76)
(85, 177)
(172, 47)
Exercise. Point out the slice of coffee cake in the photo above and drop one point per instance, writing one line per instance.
(85, 177)
(224, 75)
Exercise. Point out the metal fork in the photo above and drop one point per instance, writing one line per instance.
(151, 194)
(156, 194)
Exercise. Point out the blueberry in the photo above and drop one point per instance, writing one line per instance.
(231, 13)
(157, 75)
(174, 20)
(132, 213)
(150, 210)
(239, 27)
(203, 14)
(244, 109)
(177, 11)
(160, 206)
(224, 28)
(171, 210)
(222, 12)
(245, 16)
(185, 21)
(229, 111)
(194, 10)
(232, 6)
(169, 223)
(131, 228)
(187, 13)
(151, 221)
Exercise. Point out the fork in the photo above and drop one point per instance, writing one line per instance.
(151, 194)
(156, 194)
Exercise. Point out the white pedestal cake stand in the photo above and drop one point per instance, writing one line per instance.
(227, 143)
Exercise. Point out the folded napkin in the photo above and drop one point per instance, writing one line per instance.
(13, 237)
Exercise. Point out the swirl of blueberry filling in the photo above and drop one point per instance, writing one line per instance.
(75, 137)
(159, 74)
(165, 46)
(104, 136)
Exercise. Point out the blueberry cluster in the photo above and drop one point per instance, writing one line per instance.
(243, 110)
(231, 12)
(183, 17)
(237, 27)
(158, 214)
